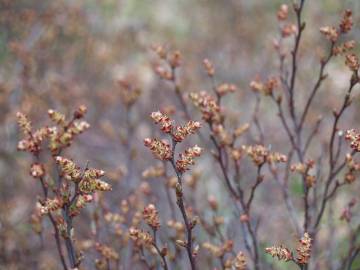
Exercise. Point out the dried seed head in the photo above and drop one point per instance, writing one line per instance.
(151, 217)
(37, 170)
(51, 205)
(330, 33)
(24, 123)
(165, 122)
(346, 22)
(80, 112)
(208, 106)
(304, 249)
(181, 132)
(160, 149)
(56, 117)
(239, 262)
(354, 137)
(352, 62)
(140, 237)
(187, 158)
(282, 253)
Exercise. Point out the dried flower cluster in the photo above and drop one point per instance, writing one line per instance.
(303, 169)
(151, 217)
(75, 186)
(186, 159)
(260, 155)
(266, 88)
(280, 252)
(208, 106)
(353, 169)
(140, 237)
(303, 249)
(354, 138)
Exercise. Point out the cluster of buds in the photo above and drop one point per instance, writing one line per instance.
(165, 122)
(181, 132)
(69, 169)
(61, 136)
(353, 167)
(178, 133)
(209, 67)
(220, 132)
(304, 249)
(225, 88)
(344, 48)
(346, 22)
(218, 251)
(32, 141)
(173, 59)
(287, 29)
(151, 216)
(89, 181)
(208, 106)
(57, 117)
(140, 237)
(239, 262)
(241, 130)
(186, 159)
(128, 93)
(347, 212)
(303, 169)
(51, 205)
(280, 252)
(332, 33)
(107, 252)
(37, 170)
(266, 88)
(354, 137)
(24, 123)
(237, 153)
(80, 203)
(160, 148)
(153, 172)
(352, 62)
(260, 155)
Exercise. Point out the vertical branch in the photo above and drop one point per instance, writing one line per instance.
(300, 26)
(180, 202)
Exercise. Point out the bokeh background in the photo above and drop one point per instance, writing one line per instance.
(60, 54)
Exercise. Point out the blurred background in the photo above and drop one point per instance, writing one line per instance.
(61, 54)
